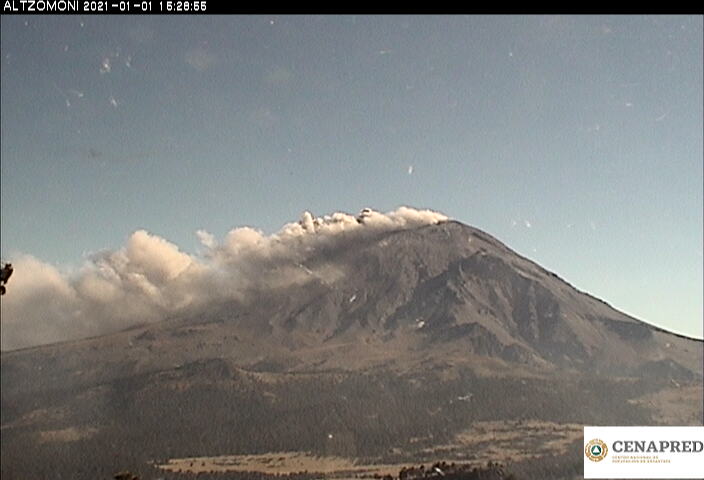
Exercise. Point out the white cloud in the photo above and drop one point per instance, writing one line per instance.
(150, 278)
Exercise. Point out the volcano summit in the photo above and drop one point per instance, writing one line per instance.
(388, 338)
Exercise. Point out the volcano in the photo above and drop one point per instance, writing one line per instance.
(430, 343)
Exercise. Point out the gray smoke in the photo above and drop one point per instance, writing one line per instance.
(150, 279)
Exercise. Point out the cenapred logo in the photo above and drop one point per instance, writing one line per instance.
(643, 452)
(596, 450)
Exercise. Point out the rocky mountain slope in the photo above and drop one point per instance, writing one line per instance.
(376, 346)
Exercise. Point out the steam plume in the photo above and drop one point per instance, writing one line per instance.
(149, 278)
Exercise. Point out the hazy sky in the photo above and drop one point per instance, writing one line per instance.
(575, 140)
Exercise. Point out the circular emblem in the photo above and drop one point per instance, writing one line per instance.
(596, 450)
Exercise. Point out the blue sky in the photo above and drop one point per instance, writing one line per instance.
(575, 140)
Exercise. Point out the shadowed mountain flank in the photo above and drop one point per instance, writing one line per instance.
(402, 345)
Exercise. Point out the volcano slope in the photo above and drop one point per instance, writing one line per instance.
(414, 345)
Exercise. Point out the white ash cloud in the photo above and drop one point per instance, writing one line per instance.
(150, 278)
